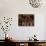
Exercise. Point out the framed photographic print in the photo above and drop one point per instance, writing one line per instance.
(25, 20)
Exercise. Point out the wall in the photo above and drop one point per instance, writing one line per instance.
(11, 8)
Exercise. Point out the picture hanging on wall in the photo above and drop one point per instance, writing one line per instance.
(26, 20)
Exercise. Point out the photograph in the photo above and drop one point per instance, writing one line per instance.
(26, 20)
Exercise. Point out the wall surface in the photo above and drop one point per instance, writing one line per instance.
(11, 8)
